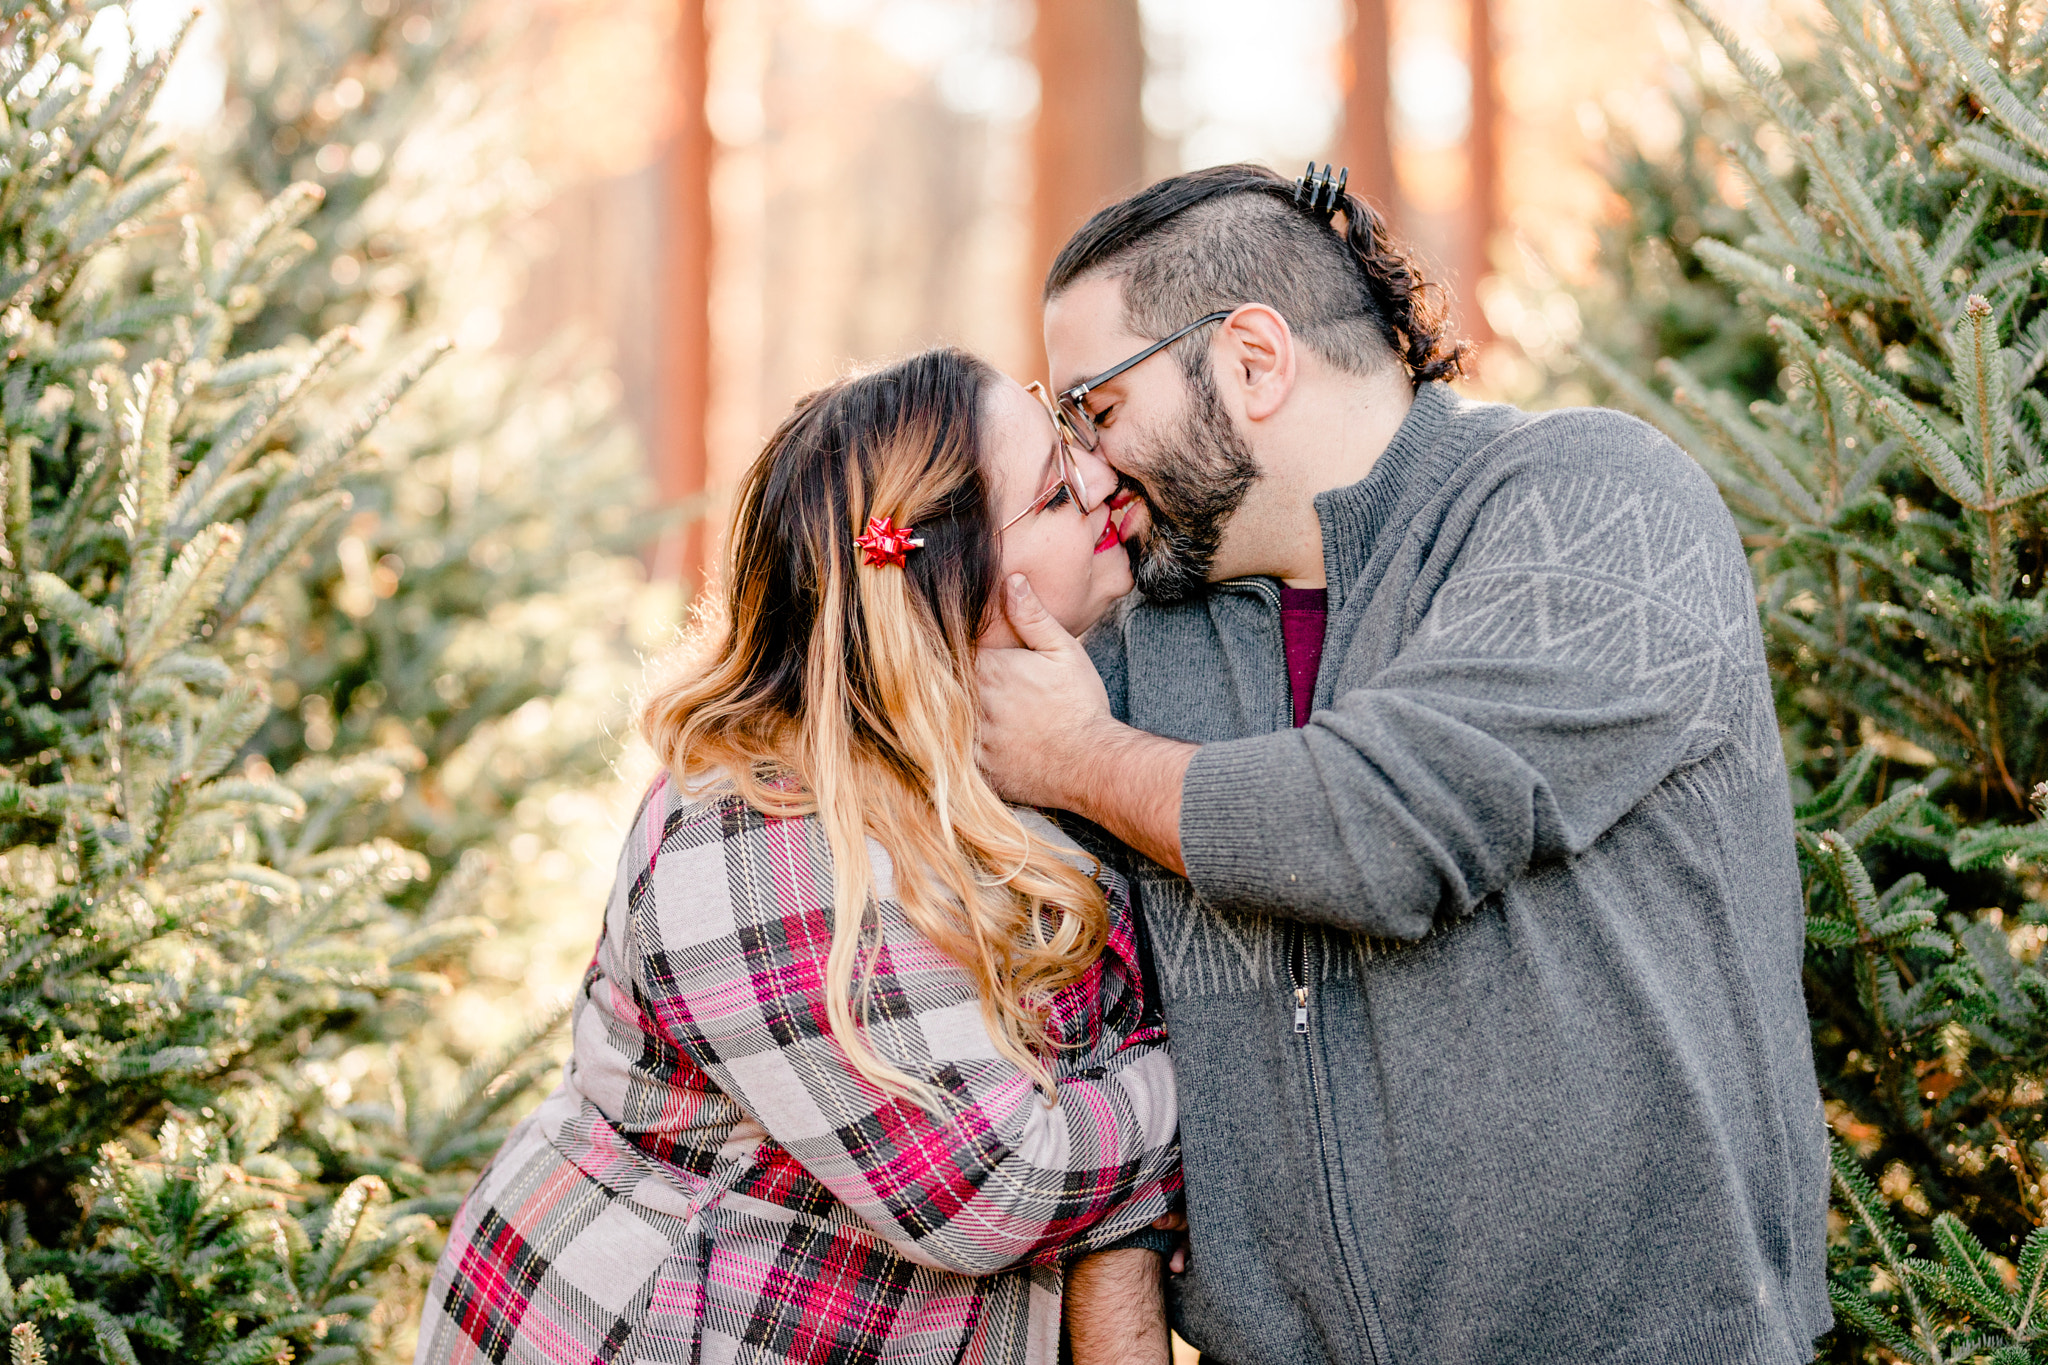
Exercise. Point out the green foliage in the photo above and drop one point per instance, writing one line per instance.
(1655, 297)
(199, 1256)
(470, 620)
(1961, 1307)
(472, 578)
(1891, 493)
(185, 927)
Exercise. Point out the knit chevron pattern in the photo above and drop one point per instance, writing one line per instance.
(1612, 581)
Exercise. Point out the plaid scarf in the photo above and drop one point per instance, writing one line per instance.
(714, 1182)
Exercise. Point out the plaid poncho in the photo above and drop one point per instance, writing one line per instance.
(713, 1182)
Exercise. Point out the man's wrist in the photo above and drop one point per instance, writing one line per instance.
(1129, 782)
(1092, 770)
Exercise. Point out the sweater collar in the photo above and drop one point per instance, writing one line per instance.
(1353, 517)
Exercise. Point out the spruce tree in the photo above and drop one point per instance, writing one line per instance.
(477, 617)
(1891, 489)
(492, 558)
(1653, 297)
(180, 932)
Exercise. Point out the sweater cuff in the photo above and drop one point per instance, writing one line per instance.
(1260, 833)
(1145, 1239)
(1226, 804)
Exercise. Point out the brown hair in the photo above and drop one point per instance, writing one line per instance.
(848, 691)
(1228, 235)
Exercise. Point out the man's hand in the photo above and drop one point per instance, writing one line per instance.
(1175, 1222)
(1048, 738)
(1043, 710)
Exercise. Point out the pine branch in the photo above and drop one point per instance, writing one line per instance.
(1758, 74)
(1793, 224)
(194, 584)
(285, 211)
(1716, 414)
(1983, 80)
(257, 418)
(1743, 271)
(1932, 453)
(146, 467)
(1981, 370)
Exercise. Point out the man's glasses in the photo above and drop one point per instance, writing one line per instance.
(1071, 413)
(1066, 473)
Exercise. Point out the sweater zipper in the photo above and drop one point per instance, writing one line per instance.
(1297, 943)
(1297, 973)
(1297, 977)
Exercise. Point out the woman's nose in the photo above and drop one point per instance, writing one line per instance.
(1097, 475)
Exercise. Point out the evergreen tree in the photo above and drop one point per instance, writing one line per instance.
(491, 561)
(1892, 497)
(1654, 297)
(179, 930)
(477, 617)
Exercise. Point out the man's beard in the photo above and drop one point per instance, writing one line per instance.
(1195, 476)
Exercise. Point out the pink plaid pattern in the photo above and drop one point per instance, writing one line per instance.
(712, 1182)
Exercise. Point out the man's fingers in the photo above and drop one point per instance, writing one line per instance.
(1029, 618)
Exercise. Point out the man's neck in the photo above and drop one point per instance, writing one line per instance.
(1330, 434)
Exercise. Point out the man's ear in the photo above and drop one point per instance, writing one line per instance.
(1259, 358)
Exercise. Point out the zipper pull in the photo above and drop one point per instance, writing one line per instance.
(1301, 1009)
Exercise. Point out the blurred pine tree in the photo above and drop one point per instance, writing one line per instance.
(177, 931)
(216, 920)
(1655, 298)
(490, 561)
(476, 618)
(1892, 496)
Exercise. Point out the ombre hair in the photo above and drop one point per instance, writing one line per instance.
(831, 687)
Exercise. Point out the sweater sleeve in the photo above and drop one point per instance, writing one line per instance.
(994, 1177)
(1595, 632)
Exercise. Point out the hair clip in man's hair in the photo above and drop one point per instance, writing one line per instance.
(1318, 192)
(886, 544)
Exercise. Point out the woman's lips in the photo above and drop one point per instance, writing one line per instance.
(1110, 539)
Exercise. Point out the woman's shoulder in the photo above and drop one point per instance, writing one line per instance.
(701, 808)
(693, 832)
(1085, 846)
(702, 869)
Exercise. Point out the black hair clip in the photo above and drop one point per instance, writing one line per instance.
(1317, 192)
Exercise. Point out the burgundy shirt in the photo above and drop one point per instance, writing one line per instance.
(1303, 612)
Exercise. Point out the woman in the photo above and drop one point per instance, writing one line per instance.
(864, 1058)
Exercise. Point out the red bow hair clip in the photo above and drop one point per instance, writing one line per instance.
(886, 544)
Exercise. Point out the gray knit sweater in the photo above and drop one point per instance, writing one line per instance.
(1530, 870)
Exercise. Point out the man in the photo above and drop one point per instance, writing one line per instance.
(1445, 734)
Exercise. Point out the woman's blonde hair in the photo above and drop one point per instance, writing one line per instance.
(832, 686)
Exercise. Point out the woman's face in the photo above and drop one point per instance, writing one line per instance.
(1072, 554)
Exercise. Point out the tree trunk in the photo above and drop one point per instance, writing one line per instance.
(680, 455)
(1088, 149)
(1482, 152)
(1367, 142)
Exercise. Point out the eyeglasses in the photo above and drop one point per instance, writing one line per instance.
(1067, 475)
(1071, 413)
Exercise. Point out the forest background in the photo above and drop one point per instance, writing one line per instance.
(341, 507)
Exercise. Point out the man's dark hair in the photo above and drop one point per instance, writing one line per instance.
(1230, 235)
